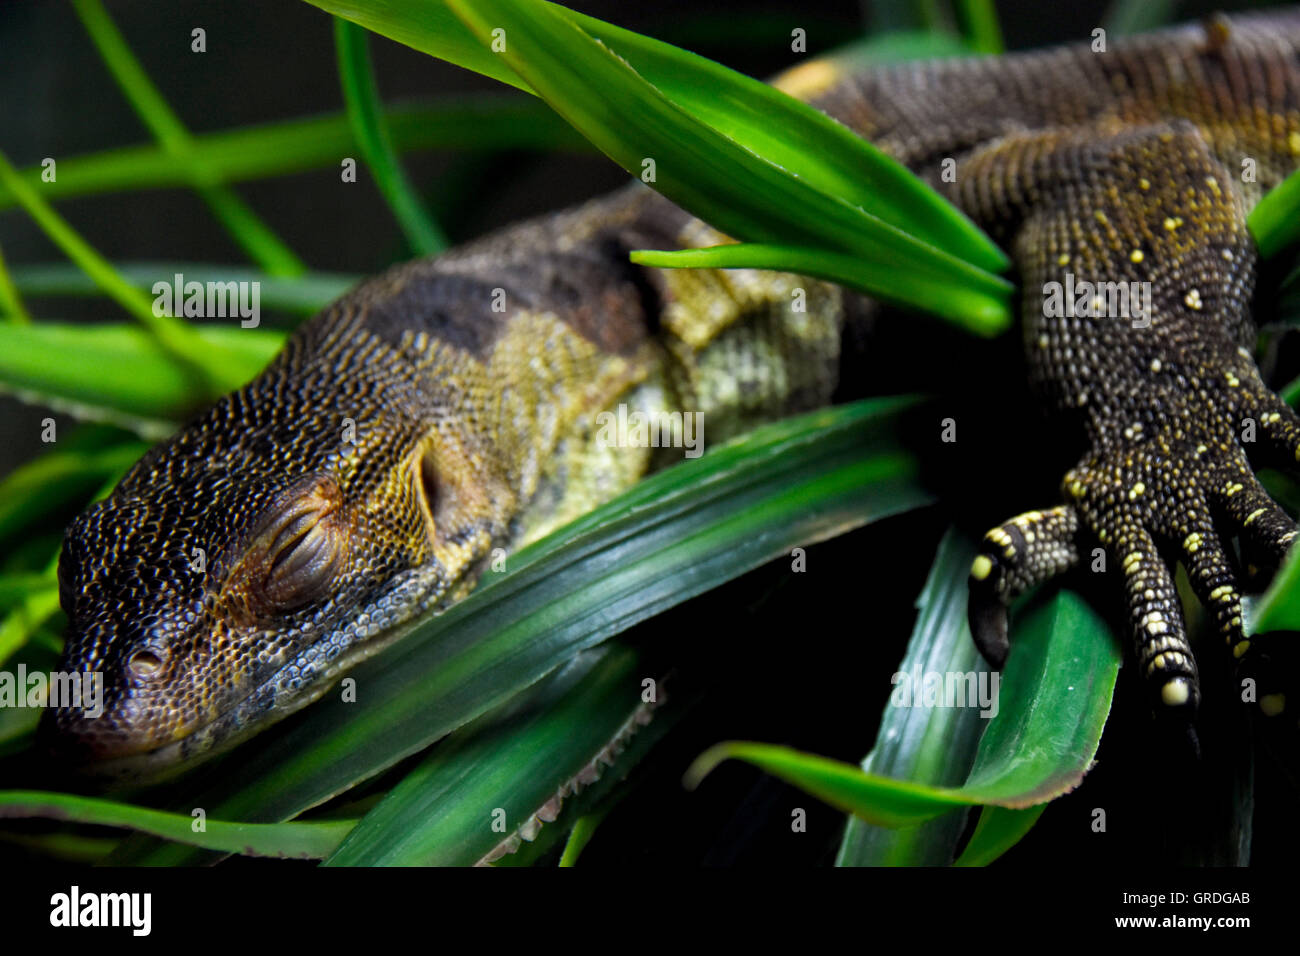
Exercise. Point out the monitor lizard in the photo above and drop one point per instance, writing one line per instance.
(447, 407)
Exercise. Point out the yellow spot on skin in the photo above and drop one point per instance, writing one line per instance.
(1136, 491)
(981, 567)
(1214, 185)
(1145, 183)
(1232, 489)
(1253, 515)
(1227, 254)
(1155, 365)
(1175, 693)
(1241, 648)
(1100, 217)
(1272, 704)
(1009, 551)
(1063, 259)
(1293, 143)
(1233, 381)
(1272, 417)
(1134, 559)
(1193, 299)
(1173, 222)
(1136, 256)
(1044, 341)
(1192, 543)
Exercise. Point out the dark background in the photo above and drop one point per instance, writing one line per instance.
(788, 659)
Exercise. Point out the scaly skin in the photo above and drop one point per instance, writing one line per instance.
(473, 427)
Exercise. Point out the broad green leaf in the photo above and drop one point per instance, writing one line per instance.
(303, 840)
(119, 373)
(470, 122)
(1055, 695)
(933, 745)
(513, 767)
(674, 535)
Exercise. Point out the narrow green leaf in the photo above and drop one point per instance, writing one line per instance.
(672, 536)
(821, 187)
(583, 830)
(11, 304)
(307, 293)
(119, 373)
(979, 22)
(302, 840)
(365, 113)
(208, 361)
(998, 830)
(241, 222)
(980, 303)
(469, 122)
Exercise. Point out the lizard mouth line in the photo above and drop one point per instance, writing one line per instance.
(279, 694)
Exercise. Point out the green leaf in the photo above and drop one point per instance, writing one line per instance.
(514, 766)
(979, 22)
(1055, 696)
(998, 830)
(674, 535)
(1275, 220)
(470, 122)
(980, 304)
(752, 161)
(932, 745)
(119, 373)
(307, 293)
(1278, 608)
(208, 362)
(240, 220)
(63, 477)
(365, 113)
(302, 840)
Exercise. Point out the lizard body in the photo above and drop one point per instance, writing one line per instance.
(471, 385)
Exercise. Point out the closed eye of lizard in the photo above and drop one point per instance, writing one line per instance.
(445, 408)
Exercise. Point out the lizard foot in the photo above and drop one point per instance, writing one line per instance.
(1190, 496)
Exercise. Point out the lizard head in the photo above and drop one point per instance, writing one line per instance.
(243, 565)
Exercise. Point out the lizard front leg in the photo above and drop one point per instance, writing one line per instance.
(1137, 270)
